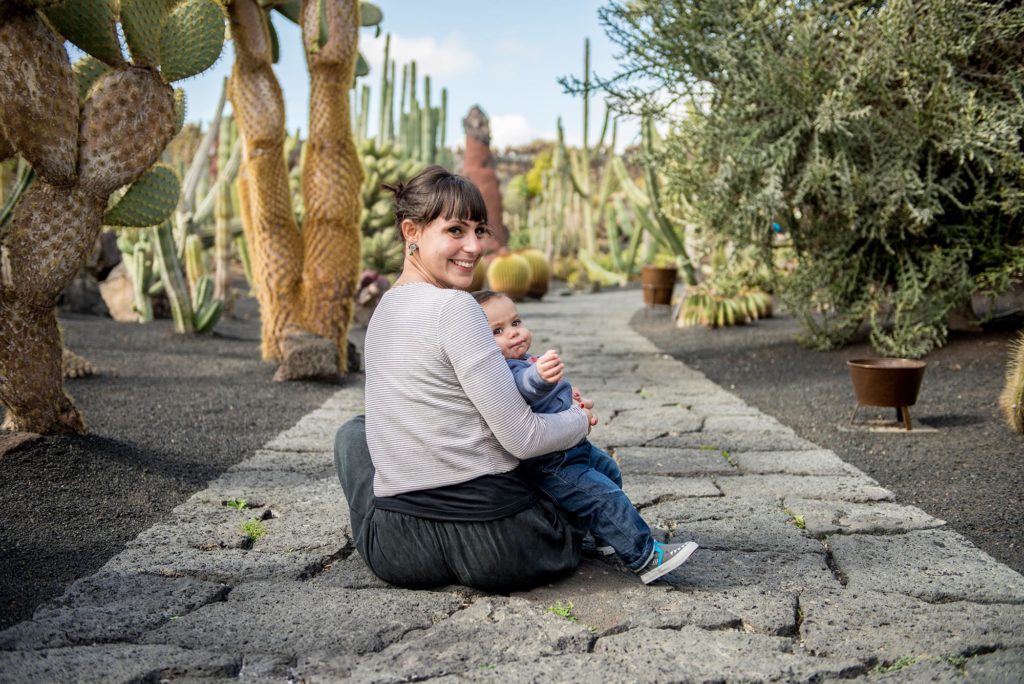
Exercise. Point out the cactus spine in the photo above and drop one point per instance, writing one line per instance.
(82, 152)
(1011, 401)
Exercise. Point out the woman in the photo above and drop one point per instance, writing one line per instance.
(430, 476)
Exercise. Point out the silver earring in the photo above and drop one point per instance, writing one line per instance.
(412, 247)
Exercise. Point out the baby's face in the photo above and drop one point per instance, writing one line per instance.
(512, 336)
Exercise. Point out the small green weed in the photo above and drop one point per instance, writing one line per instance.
(728, 457)
(905, 661)
(563, 610)
(644, 394)
(957, 661)
(799, 617)
(797, 518)
(253, 529)
(237, 504)
(707, 447)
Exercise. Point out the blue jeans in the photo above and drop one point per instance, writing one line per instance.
(586, 483)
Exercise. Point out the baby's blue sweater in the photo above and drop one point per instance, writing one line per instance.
(543, 397)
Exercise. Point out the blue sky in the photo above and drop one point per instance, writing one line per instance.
(506, 57)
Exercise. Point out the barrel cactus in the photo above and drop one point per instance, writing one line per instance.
(510, 275)
(540, 271)
(86, 132)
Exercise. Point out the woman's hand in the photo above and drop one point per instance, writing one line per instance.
(586, 405)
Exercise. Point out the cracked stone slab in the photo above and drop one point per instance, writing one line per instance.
(933, 565)
(610, 599)
(293, 618)
(645, 490)
(858, 489)
(804, 462)
(732, 525)
(839, 517)
(663, 418)
(491, 631)
(763, 571)
(674, 462)
(734, 441)
(1001, 666)
(261, 490)
(758, 424)
(319, 464)
(876, 627)
(110, 607)
(229, 566)
(736, 656)
(116, 663)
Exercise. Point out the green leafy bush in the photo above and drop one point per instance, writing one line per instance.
(883, 138)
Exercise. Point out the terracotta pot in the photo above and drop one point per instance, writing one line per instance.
(887, 382)
(658, 284)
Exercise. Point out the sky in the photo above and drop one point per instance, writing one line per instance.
(505, 57)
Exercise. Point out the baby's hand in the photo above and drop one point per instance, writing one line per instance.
(550, 367)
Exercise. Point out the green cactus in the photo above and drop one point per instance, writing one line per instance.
(148, 201)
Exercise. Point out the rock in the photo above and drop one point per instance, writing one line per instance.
(307, 357)
(83, 296)
(116, 291)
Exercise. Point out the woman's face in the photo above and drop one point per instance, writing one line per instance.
(447, 251)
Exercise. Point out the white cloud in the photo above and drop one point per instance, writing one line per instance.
(433, 58)
(513, 129)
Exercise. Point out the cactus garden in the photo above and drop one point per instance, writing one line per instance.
(196, 225)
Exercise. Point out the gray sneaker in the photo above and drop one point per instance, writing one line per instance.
(664, 559)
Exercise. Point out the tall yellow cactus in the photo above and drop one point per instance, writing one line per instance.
(81, 151)
(304, 282)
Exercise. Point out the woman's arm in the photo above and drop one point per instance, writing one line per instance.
(468, 345)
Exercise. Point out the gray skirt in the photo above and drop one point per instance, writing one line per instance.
(535, 546)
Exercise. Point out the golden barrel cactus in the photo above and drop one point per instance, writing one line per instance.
(510, 275)
(540, 271)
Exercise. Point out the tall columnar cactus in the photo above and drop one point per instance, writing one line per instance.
(81, 151)
(304, 282)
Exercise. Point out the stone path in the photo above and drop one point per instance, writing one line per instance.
(808, 570)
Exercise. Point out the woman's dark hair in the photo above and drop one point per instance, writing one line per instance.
(435, 192)
(482, 296)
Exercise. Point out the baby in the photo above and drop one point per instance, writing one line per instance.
(583, 481)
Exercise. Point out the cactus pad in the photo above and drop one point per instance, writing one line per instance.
(117, 145)
(91, 25)
(141, 21)
(369, 14)
(180, 107)
(192, 38)
(39, 115)
(87, 70)
(149, 200)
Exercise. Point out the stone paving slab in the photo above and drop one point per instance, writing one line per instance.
(805, 462)
(673, 462)
(645, 490)
(829, 487)
(808, 571)
(291, 618)
(881, 627)
(933, 565)
(823, 518)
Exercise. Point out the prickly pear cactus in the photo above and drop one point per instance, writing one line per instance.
(82, 151)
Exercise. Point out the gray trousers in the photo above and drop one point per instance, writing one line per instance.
(520, 551)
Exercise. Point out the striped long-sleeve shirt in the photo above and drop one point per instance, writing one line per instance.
(441, 403)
